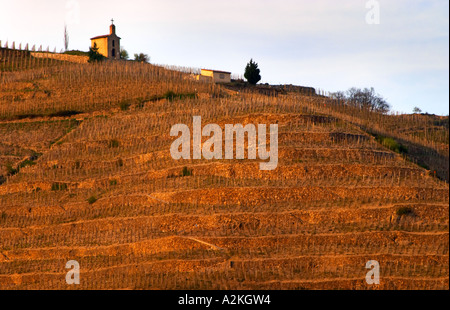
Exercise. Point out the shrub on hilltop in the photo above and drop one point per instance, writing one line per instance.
(94, 55)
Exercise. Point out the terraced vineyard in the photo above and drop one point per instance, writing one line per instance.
(101, 188)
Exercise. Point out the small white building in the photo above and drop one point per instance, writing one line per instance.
(215, 75)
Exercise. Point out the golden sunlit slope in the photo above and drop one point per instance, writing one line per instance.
(98, 185)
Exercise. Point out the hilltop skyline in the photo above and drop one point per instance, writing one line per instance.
(324, 44)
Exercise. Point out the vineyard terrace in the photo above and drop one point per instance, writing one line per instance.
(212, 148)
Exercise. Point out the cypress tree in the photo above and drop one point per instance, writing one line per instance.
(252, 72)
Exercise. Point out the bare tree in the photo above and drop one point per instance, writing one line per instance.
(66, 38)
(417, 110)
(367, 99)
(339, 95)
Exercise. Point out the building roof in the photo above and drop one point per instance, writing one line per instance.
(218, 71)
(101, 37)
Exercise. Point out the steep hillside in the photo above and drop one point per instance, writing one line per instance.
(88, 176)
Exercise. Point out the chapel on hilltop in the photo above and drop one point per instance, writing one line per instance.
(109, 44)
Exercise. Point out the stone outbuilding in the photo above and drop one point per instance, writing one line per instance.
(215, 75)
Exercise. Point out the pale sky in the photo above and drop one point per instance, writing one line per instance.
(326, 44)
